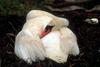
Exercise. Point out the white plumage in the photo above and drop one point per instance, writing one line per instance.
(59, 44)
(56, 45)
(28, 45)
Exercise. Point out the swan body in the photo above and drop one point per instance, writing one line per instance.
(33, 43)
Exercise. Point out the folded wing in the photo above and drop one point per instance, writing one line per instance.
(28, 45)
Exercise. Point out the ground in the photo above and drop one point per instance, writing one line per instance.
(88, 37)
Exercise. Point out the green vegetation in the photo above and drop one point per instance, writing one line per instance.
(19, 7)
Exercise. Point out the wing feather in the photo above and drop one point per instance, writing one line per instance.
(28, 45)
(69, 42)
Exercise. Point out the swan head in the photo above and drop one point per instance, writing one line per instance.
(55, 24)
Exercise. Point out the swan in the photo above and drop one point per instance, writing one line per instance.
(45, 36)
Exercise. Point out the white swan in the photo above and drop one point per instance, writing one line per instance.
(34, 42)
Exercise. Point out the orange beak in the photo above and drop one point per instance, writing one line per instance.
(43, 34)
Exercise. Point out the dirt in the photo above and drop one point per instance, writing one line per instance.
(88, 37)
